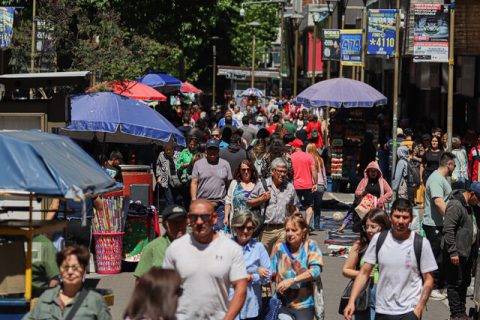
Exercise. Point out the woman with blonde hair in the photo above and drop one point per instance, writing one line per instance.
(296, 265)
(322, 183)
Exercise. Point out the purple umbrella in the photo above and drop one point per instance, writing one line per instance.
(340, 92)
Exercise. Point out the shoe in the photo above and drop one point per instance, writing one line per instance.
(437, 295)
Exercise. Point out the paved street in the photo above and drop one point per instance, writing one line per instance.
(332, 278)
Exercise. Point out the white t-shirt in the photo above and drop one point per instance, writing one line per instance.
(207, 271)
(400, 284)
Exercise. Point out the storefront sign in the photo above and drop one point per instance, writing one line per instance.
(381, 32)
(351, 47)
(430, 33)
(331, 44)
(6, 26)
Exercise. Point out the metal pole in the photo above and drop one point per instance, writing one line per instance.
(364, 46)
(295, 69)
(314, 53)
(451, 65)
(395, 90)
(32, 54)
(330, 25)
(343, 27)
(214, 74)
(252, 80)
(282, 49)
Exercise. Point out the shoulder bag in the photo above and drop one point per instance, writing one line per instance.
(81, 297)
(261, 216)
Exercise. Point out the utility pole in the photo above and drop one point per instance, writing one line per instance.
(295, 66)
(254, 25)
(214, 72)
(32, 54)
(395, 90)
(364, 43)
(451, 65)
(282, 48)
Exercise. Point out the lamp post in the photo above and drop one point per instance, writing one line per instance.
(315, 18)
(296, 20)
(254, 26)
(214, 73)
(32, 54)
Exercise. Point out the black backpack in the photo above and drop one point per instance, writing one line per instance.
(417, 247)
(413, 174)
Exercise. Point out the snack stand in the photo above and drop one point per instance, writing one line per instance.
(61, 170)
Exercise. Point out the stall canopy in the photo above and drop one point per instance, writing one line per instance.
(252, 92)
(187, 87)
(131, 89)
(49, 165)
(113, 118)
(160, 81)
(340, 92)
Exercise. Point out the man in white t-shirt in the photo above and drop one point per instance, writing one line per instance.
(400, 292)
(209, 264)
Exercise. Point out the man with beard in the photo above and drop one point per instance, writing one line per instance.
(211, 177)
(228, 121)
(437, 192)
(209, 264)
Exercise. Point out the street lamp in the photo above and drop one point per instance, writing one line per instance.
(254, 26)
(296, 20)
(214, 74)
(316, 18)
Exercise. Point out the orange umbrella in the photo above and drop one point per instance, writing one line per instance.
(131, 89)
(187, 87)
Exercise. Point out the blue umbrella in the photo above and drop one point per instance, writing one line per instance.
(113, 118)
(252, 92)
(49, 165)
(160, 81)
(340, 92)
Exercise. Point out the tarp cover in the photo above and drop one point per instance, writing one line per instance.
(49, 165)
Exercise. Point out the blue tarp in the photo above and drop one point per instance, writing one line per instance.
(49, 165)
(114, 118)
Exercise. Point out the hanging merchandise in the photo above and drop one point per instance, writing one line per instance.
(431, 33)
(351, 47)
(381, 32)
(331, 44)
(6, 26)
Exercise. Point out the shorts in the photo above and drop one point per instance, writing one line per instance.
(306, 197)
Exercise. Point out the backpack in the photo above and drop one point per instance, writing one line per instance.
(413, 174)
(417, 247)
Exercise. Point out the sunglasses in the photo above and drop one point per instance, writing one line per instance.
(243, 228)
(204, 217)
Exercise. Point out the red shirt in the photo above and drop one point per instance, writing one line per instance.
(272, 128)
(473, 164)
(315, 125)
(302, 172)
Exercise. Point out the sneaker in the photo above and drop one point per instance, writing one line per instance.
(437, 295)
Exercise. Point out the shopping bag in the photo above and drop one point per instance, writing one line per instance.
(420, 194)
(367, 203)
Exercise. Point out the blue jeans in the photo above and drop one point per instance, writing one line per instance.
(317, 206)
(171, 195)
(220, 215)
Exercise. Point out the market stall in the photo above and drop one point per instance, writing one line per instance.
(62, 170)
(354, 115)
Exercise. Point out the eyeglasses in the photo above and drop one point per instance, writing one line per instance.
(245, 169)
(74, 268)
(281, 171)
(204, 217)
(215, 135)
(243, 228)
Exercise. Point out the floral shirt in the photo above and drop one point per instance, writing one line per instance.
(300, 295)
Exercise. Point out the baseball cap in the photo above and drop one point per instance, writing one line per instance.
(297, 143)
(475, 187)
(259, 119)
(399, 132)
(212, 143)
(173, 211)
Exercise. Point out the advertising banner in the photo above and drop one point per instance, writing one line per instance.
(6, 26)
(331, 44)
(430, 40)
(381, 32)
(351, 47)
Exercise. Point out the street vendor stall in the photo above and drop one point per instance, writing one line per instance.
(349, 125)
(38, 165)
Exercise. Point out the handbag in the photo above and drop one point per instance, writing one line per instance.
(261, 216)
(367, 203)
(363, 300)
(81, 297)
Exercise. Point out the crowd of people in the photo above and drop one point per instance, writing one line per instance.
(243, 197)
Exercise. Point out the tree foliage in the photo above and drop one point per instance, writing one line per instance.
(121, 38)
